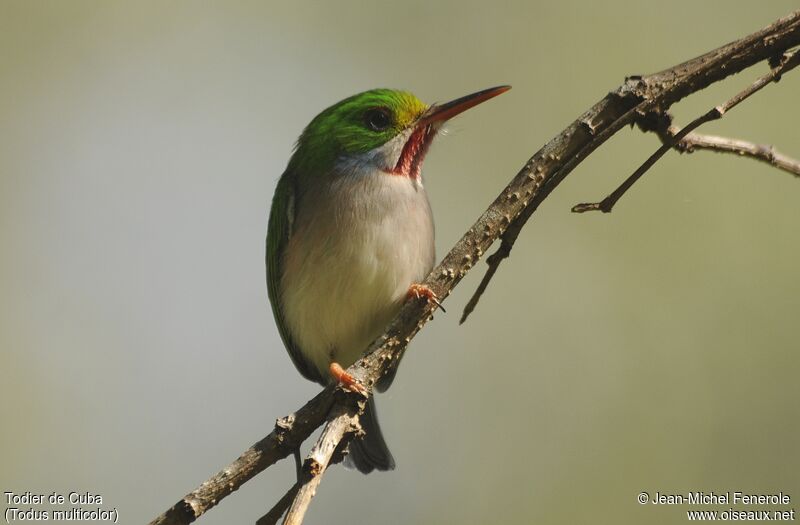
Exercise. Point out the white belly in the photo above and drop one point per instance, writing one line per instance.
(349, 262)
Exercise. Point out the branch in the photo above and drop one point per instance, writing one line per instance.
(788, 62)
(342, 422)
(637, 97)
(275, 513)
(695, 141)
(503, 219)
(290, 431)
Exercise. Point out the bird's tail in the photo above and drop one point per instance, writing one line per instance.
(370, 452)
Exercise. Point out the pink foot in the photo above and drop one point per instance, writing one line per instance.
(417, 291)
(346, 380)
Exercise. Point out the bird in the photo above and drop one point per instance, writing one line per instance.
(350, 237)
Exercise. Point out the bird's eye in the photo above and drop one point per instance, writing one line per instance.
(377, 119)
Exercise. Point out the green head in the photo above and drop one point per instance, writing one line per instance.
(378, 130)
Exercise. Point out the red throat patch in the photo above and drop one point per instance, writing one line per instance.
(410, 162)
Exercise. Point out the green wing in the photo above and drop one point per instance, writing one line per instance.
(278, 232)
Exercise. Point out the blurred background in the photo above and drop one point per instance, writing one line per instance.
(140, 143)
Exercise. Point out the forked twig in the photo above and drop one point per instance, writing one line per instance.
(640, 95)
(341, 426)
(787, 63)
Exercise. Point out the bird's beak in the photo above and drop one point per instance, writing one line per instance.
(439, 113)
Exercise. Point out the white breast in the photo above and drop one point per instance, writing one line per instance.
(356, 246)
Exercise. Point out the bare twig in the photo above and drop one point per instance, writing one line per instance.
(290, 431)
(637, 96)
(275, 513)
(503, 219)
(695, 141)
(493, 261)
(789, 61)
(342, 422)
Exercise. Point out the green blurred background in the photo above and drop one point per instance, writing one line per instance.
(139, 146)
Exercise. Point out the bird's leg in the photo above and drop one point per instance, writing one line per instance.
(416, 291)
(346, 380)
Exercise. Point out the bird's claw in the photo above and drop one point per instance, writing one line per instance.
(417, 291)
(347, 381)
